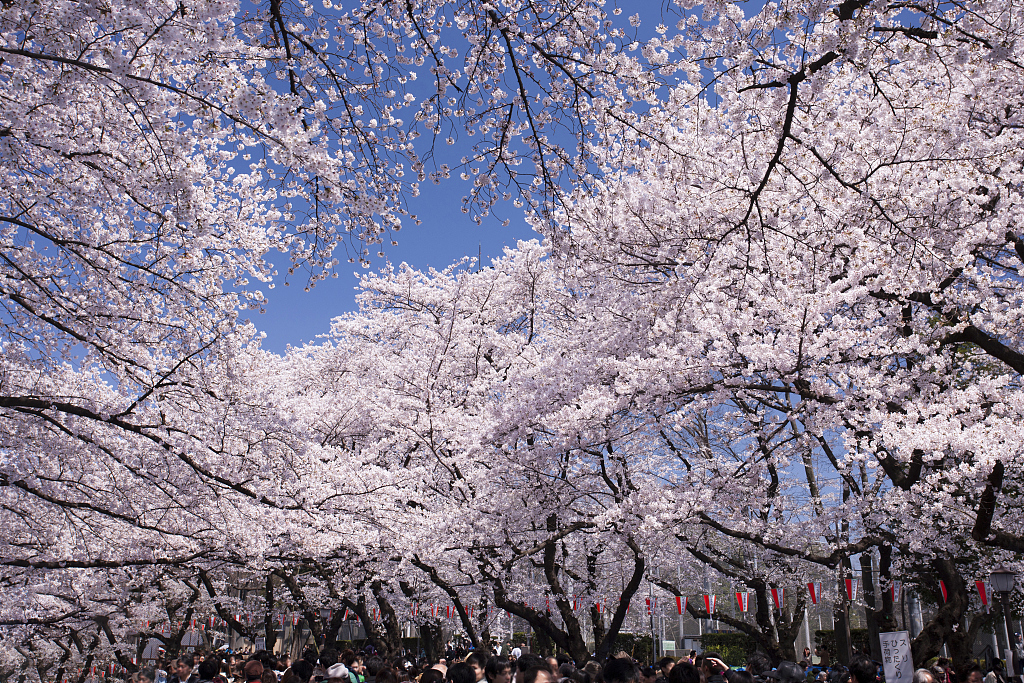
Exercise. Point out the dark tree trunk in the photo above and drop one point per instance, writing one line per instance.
(431, 637)
(871, 606)
(939, 629)
(391, 632)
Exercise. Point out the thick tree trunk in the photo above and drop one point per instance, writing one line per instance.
(844, 644)
(390, 631)
(871, 606)
(938, 630)
(432, 640)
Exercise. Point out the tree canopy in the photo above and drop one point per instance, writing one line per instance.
(772, 325)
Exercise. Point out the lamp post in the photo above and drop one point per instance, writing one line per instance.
(1003, 580)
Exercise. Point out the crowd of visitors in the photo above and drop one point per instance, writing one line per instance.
(351, 666)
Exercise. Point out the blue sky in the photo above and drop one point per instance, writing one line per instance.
(294, 316)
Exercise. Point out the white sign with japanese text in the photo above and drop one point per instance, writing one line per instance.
(896, 657)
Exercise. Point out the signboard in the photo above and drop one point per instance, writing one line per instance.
(896, 657)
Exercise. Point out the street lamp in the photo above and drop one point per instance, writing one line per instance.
(1002, 580)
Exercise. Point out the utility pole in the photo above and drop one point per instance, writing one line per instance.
(650, 613)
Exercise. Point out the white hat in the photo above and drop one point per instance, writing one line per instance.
(337, 671)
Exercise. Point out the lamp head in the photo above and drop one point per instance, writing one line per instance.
(1002, 579)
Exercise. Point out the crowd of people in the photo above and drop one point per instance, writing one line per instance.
(351, 666)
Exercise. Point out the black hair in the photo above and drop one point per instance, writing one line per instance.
(460, 672)
(208, 668)
(708, 666)
(303, 669)
(187, 660)
(329, 657)
(740, 677)
(478, 657)
(529, 661)
(530, 675)
(494, 667)
(684, 672)
(863, 670)
(432, 676)
(374, 664)
(621, 670)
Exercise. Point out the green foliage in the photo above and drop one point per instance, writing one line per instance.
(734, 647)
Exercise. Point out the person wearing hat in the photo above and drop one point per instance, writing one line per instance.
(338, 673)
(787, 672)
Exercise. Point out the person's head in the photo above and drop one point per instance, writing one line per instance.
(432, 676)
(496, 670)
(538, 674)
(972, 674)
(527, 661)
(209, 668)
(460, 672)
(787, 672)
(741, 677)
(147, 676)
(997, 665)
(337, 673)
(712, 664)
(268, 676)
(684, 672)
(552, 665)
(924, 676)
(303, 670)
(666, 664)
(387, 675)
(329, 657)
(863, 670)
(648, 674)
(477, 660)
(185, 665)
(758, 663)
(620, 670)
(253, 670)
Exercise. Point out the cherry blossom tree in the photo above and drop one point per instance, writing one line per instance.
(777, 312)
